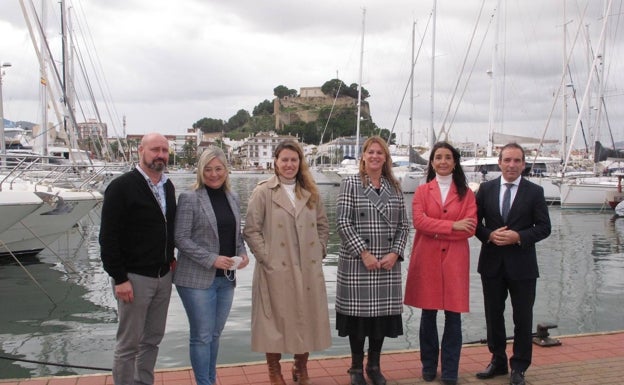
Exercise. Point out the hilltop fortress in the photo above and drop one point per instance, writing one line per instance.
(308, 105)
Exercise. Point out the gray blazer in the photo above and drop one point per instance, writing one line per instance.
(197, 239)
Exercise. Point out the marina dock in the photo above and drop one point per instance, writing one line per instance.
(596, 359)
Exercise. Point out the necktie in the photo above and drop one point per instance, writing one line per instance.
(506, 201)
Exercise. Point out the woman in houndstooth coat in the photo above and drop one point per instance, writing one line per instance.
(373, 227)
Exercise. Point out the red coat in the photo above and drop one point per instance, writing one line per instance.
(438, 274)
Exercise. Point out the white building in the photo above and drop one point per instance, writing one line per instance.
(257, 151)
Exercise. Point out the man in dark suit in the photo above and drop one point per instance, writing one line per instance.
(512, 217)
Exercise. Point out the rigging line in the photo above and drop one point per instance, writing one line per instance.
(578, 110)
(461, 72)
(10, 358)
(40, 55)
(27, 272)
(47, 246)
(93, 101)
(615, 33)
(98, 69)
(58, 78)
(587, 87)
(561, 85)
(103, 145)
(472, 70)
(601, 79)
(332, 109)
(83, 70)
(396, 117)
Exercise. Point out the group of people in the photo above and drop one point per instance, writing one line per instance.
(287, 230)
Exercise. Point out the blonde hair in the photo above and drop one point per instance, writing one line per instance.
(386, 171)
(304, 177)
(209, 154)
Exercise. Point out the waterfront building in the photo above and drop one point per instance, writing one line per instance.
(257, 151)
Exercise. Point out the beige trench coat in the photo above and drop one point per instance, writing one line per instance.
(289, 300)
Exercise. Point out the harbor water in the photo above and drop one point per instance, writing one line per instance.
(68, 317)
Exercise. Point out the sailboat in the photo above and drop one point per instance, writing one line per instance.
(413, 173)
(596, 191)
(61, 205)
(350, 164)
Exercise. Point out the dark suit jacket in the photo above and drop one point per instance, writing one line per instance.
(528, 216)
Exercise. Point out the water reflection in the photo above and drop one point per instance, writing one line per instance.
(581, 289)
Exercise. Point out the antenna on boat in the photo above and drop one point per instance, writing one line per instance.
(431, 134)
(359, 101)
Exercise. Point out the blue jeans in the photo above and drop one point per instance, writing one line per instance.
(451, 343)
(207, 311)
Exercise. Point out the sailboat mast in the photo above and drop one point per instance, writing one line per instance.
(359, 101)
(64, 60)
(431, 135)
(42, 139)
(493, 73)
(411, 115)
(586, 96)
(564, 110)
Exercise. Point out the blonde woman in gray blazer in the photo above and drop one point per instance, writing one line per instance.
(208, 235)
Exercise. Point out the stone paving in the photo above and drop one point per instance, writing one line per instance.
(589, 359)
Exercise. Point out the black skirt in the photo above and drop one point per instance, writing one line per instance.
(372, 327)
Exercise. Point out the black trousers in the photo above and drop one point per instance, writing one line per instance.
(522, 293)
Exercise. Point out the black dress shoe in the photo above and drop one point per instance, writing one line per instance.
(449, 382)
(517, 378)
(492, 371)
(429, 376)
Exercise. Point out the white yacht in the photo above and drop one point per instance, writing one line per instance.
(58, 208)
(537, 170)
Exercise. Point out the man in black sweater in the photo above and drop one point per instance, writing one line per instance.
(136, 242)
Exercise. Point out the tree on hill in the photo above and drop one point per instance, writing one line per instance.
(353, 90)
(207, 125)
(264, 108)
(331, 87)
(238, 120)
(283, 91)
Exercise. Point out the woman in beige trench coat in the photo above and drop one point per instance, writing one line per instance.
(287, 231)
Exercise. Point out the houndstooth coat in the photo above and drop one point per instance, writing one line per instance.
(378, 223)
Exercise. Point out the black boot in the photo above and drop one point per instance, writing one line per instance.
(372, 369)
(356, 371)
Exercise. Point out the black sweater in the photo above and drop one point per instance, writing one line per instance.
(135, 237)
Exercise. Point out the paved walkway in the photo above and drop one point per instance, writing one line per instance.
(596, 359)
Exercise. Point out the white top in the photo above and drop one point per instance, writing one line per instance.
(445, 185)
(290, 191)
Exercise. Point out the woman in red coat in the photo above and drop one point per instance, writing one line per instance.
(445, 216)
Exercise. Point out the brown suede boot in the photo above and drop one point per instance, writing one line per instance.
(300, 369)
(275, 370)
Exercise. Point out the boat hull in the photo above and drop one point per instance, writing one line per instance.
(48, 222)
(585, 194)
(16, 205)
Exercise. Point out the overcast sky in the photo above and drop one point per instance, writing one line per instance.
(166, 64)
